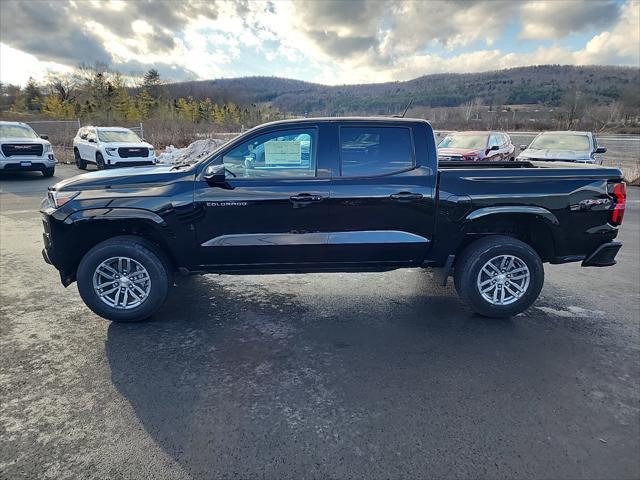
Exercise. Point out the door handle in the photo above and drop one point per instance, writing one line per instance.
(306, 198)
(406, 196)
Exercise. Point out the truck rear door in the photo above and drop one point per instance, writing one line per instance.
(382, 191)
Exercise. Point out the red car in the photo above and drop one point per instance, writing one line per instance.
(476, 146)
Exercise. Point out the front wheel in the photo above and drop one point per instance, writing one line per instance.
(499, 276)
(99, 161)
(80, 163)
(123, 279)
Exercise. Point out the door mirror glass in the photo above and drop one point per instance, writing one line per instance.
(601, 150)
(214, 174)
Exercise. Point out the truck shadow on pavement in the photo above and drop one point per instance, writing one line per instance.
(238, 378)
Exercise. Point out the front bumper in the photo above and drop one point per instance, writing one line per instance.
(603, 256)
(27, 164)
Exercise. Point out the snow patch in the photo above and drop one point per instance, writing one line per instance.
(196, 151)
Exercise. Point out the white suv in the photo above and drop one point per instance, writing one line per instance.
(21, 149)
(111, 147)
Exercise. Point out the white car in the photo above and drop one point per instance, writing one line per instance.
(568, 146)
(111, 147)
(22, 149)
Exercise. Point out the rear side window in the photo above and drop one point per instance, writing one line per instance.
(370, 151)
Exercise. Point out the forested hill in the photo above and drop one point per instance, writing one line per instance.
(546, 84)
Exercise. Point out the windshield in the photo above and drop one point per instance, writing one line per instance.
(110, 136)
(464, 141)
(554, 141)
(17, 131)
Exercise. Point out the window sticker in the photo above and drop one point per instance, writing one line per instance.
(282, 153)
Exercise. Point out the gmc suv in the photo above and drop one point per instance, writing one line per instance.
(21, 149)
(111, 147)
(330, 195)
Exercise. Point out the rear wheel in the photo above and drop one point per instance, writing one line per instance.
(80, 163)
(499, 276)
(123, 279)
(48, 172)
(100, 161)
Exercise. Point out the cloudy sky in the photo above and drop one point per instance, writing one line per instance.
(333, 42)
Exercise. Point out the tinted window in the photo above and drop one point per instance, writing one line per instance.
(288, 153)
(367, 151)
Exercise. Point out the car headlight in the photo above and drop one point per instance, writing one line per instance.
(59, 198)
(47, 148)
(152, 152)
(111, 151)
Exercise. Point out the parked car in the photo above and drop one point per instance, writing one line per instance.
(565, 146)
(111, 147)
(22, 149)
(476, 147)
(371, 197)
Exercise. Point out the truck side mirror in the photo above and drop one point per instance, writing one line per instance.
(214, 174)
(44, 137)
(523, 147)
(601, 150)
(495, 147)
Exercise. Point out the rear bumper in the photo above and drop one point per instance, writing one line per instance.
(603, 256)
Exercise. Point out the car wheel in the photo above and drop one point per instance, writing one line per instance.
(100, 161)
(48, 172)
(499, 276)
(123, 279)
(80, 163)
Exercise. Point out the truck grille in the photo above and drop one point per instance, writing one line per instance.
(22, 150)
(129, 152)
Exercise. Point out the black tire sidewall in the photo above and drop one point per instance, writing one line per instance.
(474, 260)
(80, 163)
(49, 172)
(100, 161)
(112, 248)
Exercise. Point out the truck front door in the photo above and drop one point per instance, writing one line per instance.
(272, 212)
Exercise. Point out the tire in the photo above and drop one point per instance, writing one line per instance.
(100, 161)
(520, 288)
(80, 163)
(48, 172)
(151, 295)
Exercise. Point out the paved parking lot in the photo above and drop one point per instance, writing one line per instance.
(316, 376)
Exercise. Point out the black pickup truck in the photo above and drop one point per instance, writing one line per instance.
(330, 195)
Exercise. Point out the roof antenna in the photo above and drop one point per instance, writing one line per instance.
(405, 110)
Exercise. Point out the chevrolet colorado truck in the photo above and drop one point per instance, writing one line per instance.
(330, 195)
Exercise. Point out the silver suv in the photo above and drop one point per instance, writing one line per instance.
(22, 149)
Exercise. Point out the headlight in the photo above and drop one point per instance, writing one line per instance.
(152, 152)
(47, 148)
(58, 198)
(111, 151)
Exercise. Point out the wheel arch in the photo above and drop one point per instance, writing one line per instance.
(92, 227)
(534, 226)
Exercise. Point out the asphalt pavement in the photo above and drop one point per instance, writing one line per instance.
(377, 375)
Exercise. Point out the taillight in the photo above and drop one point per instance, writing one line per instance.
(618, 192)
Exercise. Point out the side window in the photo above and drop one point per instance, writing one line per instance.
(493, 140)
(83, 133)
(285, 153)
(506, 140)
(91, 134)
(370, 151)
